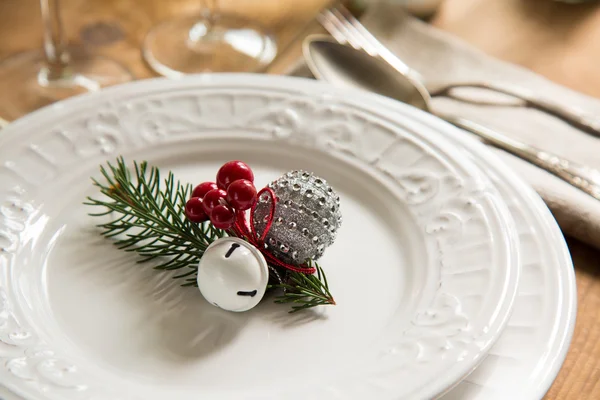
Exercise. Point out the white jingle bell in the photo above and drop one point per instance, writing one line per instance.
(233, 274)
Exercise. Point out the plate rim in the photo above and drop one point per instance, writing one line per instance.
(474, 148)
(207, 78)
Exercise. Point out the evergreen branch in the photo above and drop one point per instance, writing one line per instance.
(305, 291)
(151, 222)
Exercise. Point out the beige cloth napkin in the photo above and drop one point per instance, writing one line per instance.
(437, 56)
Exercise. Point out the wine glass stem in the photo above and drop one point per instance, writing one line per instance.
(210, 8)
(55, 50)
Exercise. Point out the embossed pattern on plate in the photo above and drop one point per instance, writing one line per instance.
(470, 261)
(528, 356)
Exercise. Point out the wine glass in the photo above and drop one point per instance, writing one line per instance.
(210, 42)
(37, 78)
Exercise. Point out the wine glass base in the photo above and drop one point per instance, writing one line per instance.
(26, 78)
(190, 45)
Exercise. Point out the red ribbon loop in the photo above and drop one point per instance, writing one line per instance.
(245, 229)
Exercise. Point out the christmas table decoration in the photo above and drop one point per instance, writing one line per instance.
(232, 241)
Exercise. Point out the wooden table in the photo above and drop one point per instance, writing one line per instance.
(559, 41)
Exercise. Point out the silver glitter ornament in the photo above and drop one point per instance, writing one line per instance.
(307, 217)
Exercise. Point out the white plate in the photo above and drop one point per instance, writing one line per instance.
(526, 359)
(424, 270)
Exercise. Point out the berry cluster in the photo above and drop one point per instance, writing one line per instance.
(234, 192)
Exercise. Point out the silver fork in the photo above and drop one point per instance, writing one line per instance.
(345, 28)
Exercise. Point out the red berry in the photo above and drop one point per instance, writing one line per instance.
(203, 188)
(231, 172)
(241, 194)
(194, 210)
(222, 217)
(212, 199)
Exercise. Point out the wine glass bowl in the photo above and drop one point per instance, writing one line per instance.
(34, 84)
(37, 78)
(211, 42)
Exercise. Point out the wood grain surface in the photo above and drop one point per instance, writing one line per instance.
(559, 41)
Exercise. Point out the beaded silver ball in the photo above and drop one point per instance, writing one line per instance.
(307, 217)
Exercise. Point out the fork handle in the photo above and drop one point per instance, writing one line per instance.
(573, 116)
(584, 178)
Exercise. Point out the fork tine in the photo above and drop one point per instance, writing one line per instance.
(369, 41)
(331, 26)
(338, 29)
(351, 30)
(355, 31)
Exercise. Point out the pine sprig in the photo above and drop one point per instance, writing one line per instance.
(149, 220)
(305, 291)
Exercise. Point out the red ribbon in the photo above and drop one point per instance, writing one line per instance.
(245, 229)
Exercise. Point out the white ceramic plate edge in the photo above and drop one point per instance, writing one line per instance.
(388, 103)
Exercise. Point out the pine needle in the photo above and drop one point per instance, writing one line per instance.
(305, 291)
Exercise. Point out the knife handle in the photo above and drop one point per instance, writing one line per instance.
(582, 177)
(575, 117)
